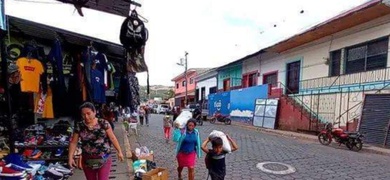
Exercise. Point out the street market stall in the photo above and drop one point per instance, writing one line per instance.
(47, 73)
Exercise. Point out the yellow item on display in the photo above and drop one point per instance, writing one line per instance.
(48, 104)
(30, 70)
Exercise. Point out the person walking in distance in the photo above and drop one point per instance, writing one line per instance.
(167, 127)
(147, 114)
(96, 137)
(187, 149)
(142, 115)
(108, 115)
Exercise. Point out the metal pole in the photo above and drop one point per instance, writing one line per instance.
(185, 74)
(341, 106)
(4, 69)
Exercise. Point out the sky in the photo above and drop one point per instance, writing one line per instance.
(213, 32)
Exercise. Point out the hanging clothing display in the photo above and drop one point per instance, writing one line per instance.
(98, 88)
(44, 104)
(88, 57)
(111, 73)
(136, 61)
(124, 91)
(101, 65)
(56, 60)
(30, 70)
(134, 91)
(75, 90)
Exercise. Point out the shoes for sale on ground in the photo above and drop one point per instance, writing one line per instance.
(16, 159)
(42, 170)
(9, 172)
(31, 141)
(46, 155)
(59, 168)
(28, 152)
(53, 174)
(40, 140)
(39, 177)
(37, 155)
(15, 167)
(35, 167)
(59, 152)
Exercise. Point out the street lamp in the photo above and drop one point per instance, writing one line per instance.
(183, 62)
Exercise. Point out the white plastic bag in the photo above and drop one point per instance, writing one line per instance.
(226, 144)
(182, 119)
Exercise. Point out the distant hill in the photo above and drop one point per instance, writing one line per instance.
(164, 92)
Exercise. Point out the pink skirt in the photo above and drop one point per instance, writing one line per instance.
(186, 160)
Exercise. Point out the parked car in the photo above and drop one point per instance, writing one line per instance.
(162, 109)
(154, 109)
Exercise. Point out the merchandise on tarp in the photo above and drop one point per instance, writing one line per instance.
(226, 144)
(156, 174)
(182, 119)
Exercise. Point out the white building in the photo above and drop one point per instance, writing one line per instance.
(328, 70)
(206, 83)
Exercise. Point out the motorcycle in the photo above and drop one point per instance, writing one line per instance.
(353, 140)
(220, 118)
(199, 120)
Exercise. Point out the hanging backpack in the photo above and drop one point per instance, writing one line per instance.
(133, 32)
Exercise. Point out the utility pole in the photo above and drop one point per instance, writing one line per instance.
(185, 75)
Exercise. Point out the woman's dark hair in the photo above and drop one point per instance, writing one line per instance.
(88, 105)
(216, 142)
(191, 121)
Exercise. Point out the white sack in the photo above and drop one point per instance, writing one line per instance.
(226, 144)
(182, 119)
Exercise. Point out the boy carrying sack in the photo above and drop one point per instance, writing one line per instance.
(215, 157)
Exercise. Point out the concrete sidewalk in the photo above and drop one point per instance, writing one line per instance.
(119, 170)
(308, 137)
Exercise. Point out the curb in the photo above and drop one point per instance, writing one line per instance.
(367, 148)
(128, 151)
(271, 132)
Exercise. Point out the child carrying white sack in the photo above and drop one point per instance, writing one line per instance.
(226, 145)
(182, 119)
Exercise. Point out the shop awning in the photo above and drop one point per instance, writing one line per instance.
(189, 93)
(118, 7)
(44, 33)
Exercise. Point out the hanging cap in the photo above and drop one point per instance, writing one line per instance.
(12, 68)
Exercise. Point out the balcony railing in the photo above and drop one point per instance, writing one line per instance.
(375, 76)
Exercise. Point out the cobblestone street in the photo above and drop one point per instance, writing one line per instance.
(311, 160)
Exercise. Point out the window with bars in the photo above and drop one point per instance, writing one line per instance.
(335, 62)
(271, 79)
(366, 57)
(252, 80)
(183, 83)
(249, 80)
(213, 90)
